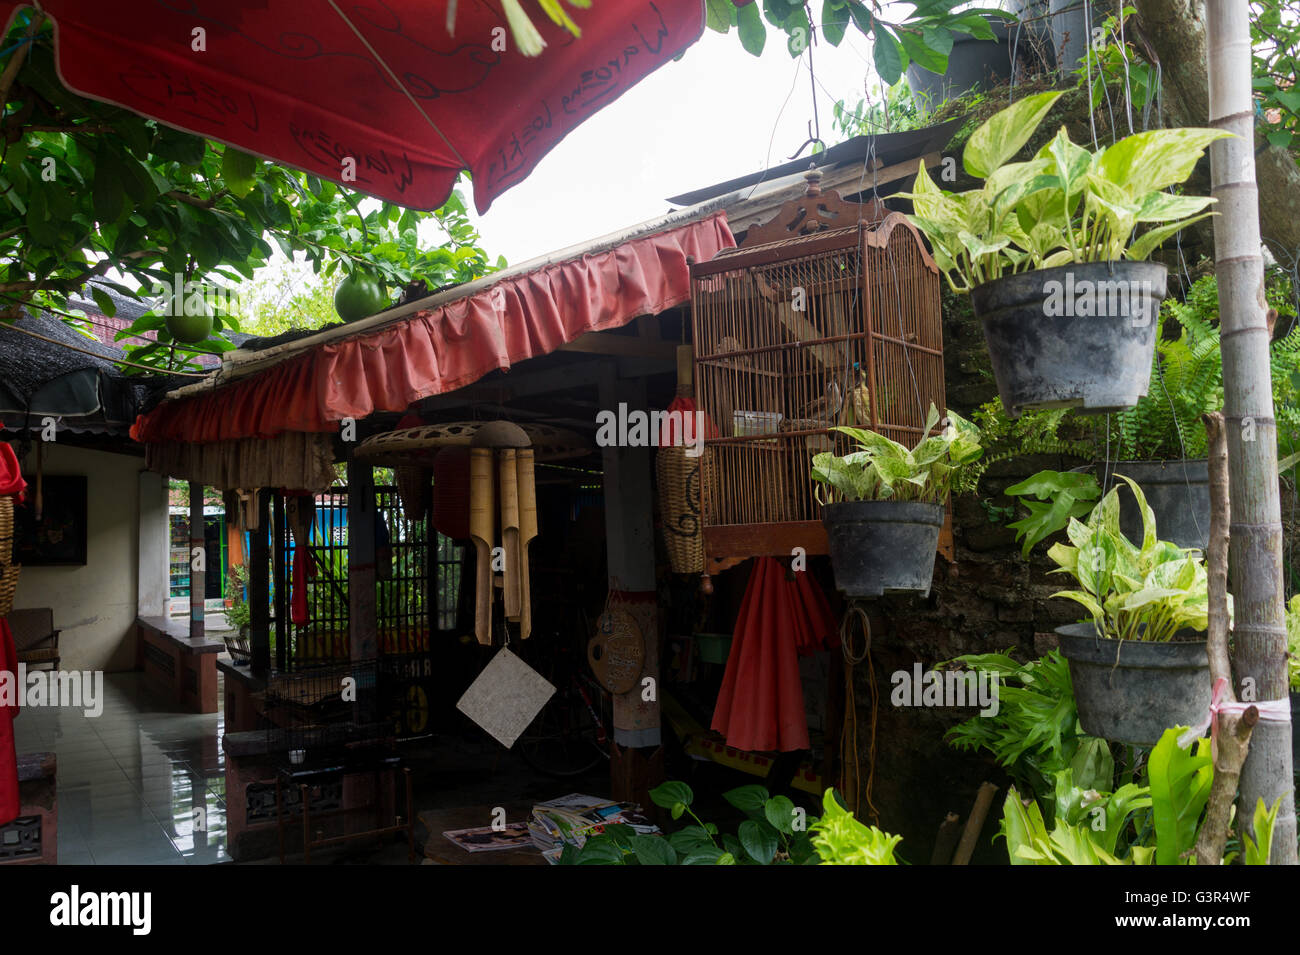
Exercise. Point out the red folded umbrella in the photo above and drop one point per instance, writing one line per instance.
(760, 706)
(11, 477)
(9, 801)
(11, 484)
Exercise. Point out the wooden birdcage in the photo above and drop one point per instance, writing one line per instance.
(828, 315)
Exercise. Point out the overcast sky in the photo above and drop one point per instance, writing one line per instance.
(717, 114)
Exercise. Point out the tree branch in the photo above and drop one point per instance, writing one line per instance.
(1234, 731)
(16, 61)
(195, 201)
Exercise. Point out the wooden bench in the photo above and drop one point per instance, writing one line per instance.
(184, 668)
(33, 838)
(35, 638)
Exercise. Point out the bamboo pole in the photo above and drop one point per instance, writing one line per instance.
(975, 824)
(1256, 528)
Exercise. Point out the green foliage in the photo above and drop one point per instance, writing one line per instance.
(238, 614)
(1180, 786)
(1187, 378)
(1089, 825)
(882, 469)
(901, 110)
(1035, 733)
(1117, 65)
(775, 833)
(1041, 431)
(1293, 642)
(1148, 591)
(1275, 41)
(1258, 852)
(94, 191)
(925, 37)
(1186, 382)
(1065, 205)
(1060, 496)
(841, 839)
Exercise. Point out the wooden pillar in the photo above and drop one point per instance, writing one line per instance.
(362, 613)
(259, 586)
(629, 537)
(153, 573)
(198, 577)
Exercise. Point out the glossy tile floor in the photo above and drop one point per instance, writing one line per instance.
(139, 784)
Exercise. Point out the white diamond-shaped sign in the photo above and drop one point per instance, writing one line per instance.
(505, 697)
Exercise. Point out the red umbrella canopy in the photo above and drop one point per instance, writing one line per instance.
(373, 94)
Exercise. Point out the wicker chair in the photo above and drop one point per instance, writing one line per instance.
(35, 638)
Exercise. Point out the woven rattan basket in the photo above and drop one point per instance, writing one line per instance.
(8, 568)
(679, 504)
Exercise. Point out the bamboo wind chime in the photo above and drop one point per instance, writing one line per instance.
(501, 470)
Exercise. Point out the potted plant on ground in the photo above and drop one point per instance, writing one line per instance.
(1139, 665)
(238, 616)
(1050, 253)
(883, 504)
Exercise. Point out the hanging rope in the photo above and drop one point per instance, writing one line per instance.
(850, 771)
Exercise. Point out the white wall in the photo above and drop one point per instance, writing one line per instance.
(94, 605)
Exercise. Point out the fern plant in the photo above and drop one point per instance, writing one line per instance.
(1186, 382)
(1050, 431)
(1187, 379)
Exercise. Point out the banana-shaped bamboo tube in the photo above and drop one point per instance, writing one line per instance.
(527, 531)
(509, 485)
(481, 526)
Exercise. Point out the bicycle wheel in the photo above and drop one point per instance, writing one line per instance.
(563, 739)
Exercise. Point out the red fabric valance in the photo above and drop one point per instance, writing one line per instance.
(450, 346)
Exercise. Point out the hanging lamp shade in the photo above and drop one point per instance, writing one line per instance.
(451, 492)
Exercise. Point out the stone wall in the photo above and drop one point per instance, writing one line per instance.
(988, 599)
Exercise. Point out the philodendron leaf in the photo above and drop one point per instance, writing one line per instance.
(1005, 133)
(1150, 161)
(1148, 242)
(1071, 162)
(1165, 207)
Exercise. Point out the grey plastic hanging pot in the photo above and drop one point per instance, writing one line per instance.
(1178, 493)
(971, 63)
(1075, 336)
(880, 547)
(1131, 691)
